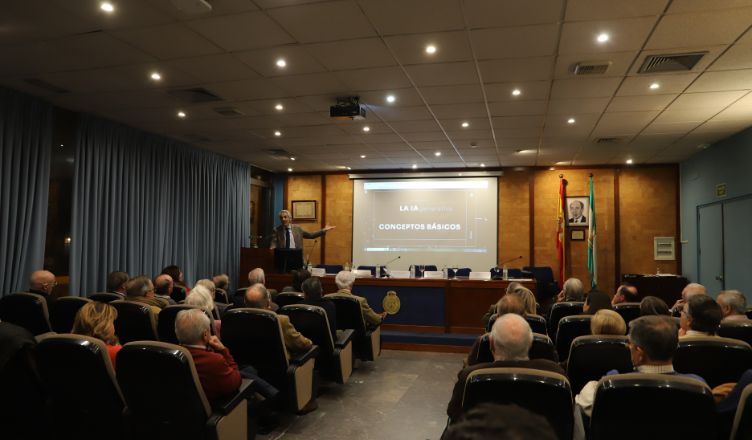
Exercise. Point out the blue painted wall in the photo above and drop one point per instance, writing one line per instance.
(728, 161)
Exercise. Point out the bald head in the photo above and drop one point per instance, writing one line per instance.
(163, 284)
(42, 280)
(257, 297)
(693, 289)
(511, 338)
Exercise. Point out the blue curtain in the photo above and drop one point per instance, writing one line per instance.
(25, 151)
(142, 202)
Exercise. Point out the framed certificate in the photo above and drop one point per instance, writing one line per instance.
(303, 210)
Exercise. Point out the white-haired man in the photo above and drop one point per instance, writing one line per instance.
(733, 305)
(572, 290)
(689, 291)
(510, 339)
(344, 281)
(289, 236)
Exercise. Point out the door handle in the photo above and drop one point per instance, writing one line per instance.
(719, 277)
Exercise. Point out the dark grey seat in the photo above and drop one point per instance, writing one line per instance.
(715, 359)
(560, 310)
(105, 297)
(27, 310)
(571, 327)
(628, 311)
(366, 341)
(286, 298)
(741, 330)
(135, 322)
(592, 356)
(64, 312)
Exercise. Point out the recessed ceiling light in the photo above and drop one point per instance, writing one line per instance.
(277, 133)
(289, 170)
(602, 37)
(181, 114)
(563, 162)
(437, 154)
(629, 161)
(292, 159)
(391, 98)
(341, 167)
(655, 86)
(366, 129)
(459, 174)
(281, 62)
(107, 7)
(415, 166)
(61, 145)
(156, 76)
(482, 165)
(571, 121)
(279, 107)
(465, 124)
(362, 156)
(525, 151)
(430, 49)
(516, 92)
(349, 168)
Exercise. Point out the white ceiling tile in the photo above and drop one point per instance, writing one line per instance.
(557, 125)
(414, 126)
(738, 56)
(668, 128)
(529, 90)
(723, 80)
(443, 74)
(246, 89)
(331, 21)
(393, 17)
(709, 100)
(653, 141)
(577, 106)
(424, 137)
(472, 134)
(623, 123)
(131, 77)
(619, 63)
(529, 41)
(404, 113)
(251, 30)
(640, 103)
(640, 85)
(584, 88)
(134, 14)
(352, 54)
(514, 108)
(406, 97)
(290, 106)
(476, 124)
(626, 34)
(492, 13)
(505, 122)
(723, 126)
(264, 61)
(460, 111)
(452, 94)
(214, 68)
(450, 46)
(310, 84)
(715, 27)
(684, 6)
(519, 69)
(381, 78)
(512, 133)
(681, 116)
(168, 41)
(581, 10)
(36, 20)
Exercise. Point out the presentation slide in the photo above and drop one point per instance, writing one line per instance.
(447, 222)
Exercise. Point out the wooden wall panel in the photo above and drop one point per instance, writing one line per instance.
(307, 188)
(339, 206)
(514, 217)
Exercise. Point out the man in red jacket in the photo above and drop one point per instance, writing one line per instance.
(217, 370)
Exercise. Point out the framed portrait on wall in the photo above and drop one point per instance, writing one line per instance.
(304, 210)
(577, 210)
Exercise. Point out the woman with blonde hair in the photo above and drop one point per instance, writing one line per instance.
(201, 297)
(608, 322)
(528, 299)
(97, 320)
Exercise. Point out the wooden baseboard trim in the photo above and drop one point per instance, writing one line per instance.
(425, 347)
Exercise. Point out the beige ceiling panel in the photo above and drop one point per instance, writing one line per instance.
(519, 142)
(623, 123)
(378, 138)
(493, 13)
(460, 111)
(414, 126)
(139, 98)
(246, 90)
(684, 6)
(723, 126)
(391, 148)
(451, 124)
(169, 41)
(707, 28)
(134, 14)
(453, 94)
(557, 125)
(450, 47)
(738, 56)
(568, 107)
(708, 100)
(251, 30)
(470, 135)
(313, 131)
(405, 113)
(653, 141)
(214, 68)
(352, 54)
(693, 115)
(513, 133)
(626, 34)
(515, 42)
(36, 20)
(514, 108)
(723, 80)
(330, 21)
(424, 137)
(584, 88)
(443, 74)
(667, 128)
(393, 17)
(381, 78)
(640, 103)
(518, 122)
(297, 119)
(289, 106)
(669, 84)
(431, 146)
(518, 69)
(620, 63)
(264, 61)
(310, 84)
(376, 100)
(529, 90)
(355, 128)
(582, 10)
(477, 146)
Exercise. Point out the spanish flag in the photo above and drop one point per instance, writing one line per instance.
(560, 232)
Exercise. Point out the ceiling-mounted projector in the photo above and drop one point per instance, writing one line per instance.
(347, 107)
(193, 7)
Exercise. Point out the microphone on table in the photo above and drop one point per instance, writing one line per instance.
(386, 269)
(308, 259)
(510, 260)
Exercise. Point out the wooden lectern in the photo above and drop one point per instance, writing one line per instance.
(251, 258)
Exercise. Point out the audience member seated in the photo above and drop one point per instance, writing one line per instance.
(257, 276)
(42, 282)
(177, 277)
(571, 291)
(595, 301)
(510, 339)
(141, 290)
(652, 305)
(607, 322)
(528, 299)
(97, 320)
(733, 305)
(506, 304)
(116, 283)
(222, 281)
(201, 297)
(313, 290)
(499, 422)
(163, 286)
(258, 297)
(625, 293)
(298, 276)
(652, 344)
(492, 308)
(344, 281)
(689, 290)
(701, 317)
(210, 286)
(216, 369)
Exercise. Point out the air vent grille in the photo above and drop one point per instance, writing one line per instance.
(279, 153)
(228, 111)
(194, 95)
(591, 67)
(670, 63)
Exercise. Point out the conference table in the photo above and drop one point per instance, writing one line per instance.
(427, 305)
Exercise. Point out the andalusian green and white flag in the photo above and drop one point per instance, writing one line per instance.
(592, 241)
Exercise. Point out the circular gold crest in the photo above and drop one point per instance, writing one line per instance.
(391, 303)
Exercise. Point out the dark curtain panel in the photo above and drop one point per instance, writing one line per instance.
(142, 202)
(25, 136)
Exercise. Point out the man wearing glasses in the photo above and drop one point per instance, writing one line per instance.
(42, 282)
